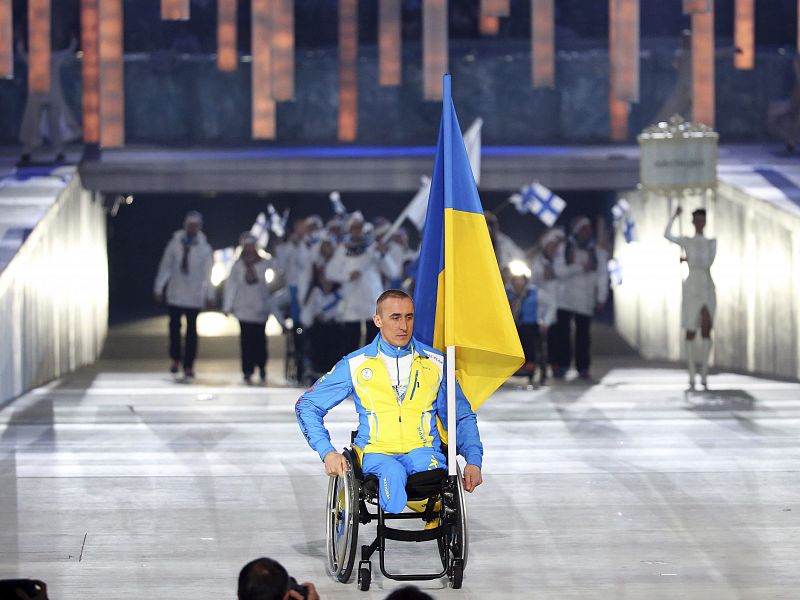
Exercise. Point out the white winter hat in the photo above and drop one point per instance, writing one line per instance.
(580, 223)
(314, 220)
(193, 216)
(551, 235)
(356, 217)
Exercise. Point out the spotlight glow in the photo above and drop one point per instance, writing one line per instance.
(214, 324)
(519, 268)
(218, 274)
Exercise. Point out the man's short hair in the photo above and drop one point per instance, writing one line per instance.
(409, 592)
(700, 212)
(391, 293)
(263, 579)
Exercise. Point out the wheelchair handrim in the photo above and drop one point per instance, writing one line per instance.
(339, 525)
(462, 505)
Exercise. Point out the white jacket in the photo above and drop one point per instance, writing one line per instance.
(294, 260)
(546, 307)
(580, 290)
(187, 290)
(543, 277)
(400, 255)
(359, 295)
(251, 303)
(321, 307)
(507, 251)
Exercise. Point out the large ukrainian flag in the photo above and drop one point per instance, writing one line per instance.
(459, 296)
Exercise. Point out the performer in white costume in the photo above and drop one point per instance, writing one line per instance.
(699, 294)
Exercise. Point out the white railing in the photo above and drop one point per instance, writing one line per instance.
(54, 294)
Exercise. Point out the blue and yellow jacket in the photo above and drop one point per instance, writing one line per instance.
(387, 425)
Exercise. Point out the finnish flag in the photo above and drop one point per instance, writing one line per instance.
(277, 224)
(260, 230)
(621, 214)
(542, 202)
(338, 206)
(629, 229)
(615, 272)
(620, 210)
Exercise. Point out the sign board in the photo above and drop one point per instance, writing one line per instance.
(678, 156)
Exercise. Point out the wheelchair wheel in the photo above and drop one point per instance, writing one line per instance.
(364, 577)
(456, 541)
(461, 538)
(456, 574)
(342, 525)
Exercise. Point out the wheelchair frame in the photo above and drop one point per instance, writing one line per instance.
(348, 499)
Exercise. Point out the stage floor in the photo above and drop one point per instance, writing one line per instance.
(117, 482)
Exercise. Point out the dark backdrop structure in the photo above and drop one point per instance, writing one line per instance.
(176, 96)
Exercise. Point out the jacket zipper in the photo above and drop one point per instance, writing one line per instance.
(399, 401)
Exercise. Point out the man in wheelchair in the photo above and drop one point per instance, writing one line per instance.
(398, 387)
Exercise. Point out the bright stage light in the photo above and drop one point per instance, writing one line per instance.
(273, 326)
(218, 274)
(517, 268)
(214, 324)
(269, 275)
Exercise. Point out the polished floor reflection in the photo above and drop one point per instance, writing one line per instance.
(117, 482)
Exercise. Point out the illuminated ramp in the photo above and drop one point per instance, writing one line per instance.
(53, 277)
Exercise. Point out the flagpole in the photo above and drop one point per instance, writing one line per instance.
(451, 410)
(447, 138)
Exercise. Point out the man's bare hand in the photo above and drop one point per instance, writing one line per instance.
(335, 464)
(472, 477)
(312, 591)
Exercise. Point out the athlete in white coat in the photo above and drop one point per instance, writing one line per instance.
(182, 281)
(543, 276)
(359, 264)
(699, 294)
(581, 267)
(247, 297)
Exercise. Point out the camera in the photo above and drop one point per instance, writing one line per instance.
(296, 587)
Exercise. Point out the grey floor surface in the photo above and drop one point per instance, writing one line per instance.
(117, 482)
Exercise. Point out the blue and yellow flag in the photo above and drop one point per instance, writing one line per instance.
(459, 296)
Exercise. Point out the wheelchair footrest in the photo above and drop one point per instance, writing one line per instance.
(404, 535)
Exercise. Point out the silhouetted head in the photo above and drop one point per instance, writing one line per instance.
(699, 220)
(263, 579)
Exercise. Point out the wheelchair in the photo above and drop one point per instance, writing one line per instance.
(353, 500)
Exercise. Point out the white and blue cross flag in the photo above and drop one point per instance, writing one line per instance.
(260, 230)
(623, 219)
(540, 201)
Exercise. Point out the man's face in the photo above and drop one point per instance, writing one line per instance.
(357, 231)
(584, 234)
(395, 319)
(299, 230)
(551, 247)
(326, 249)
(192, 228)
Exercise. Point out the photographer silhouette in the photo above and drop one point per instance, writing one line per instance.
(266, 579)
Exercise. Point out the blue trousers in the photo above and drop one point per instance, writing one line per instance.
(392, 471)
